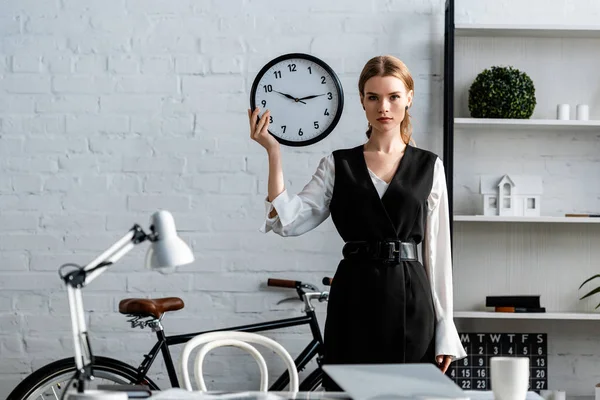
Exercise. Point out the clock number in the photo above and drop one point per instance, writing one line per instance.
(264, 103)
(270, 119)
(292, 67)
(329, 95)
(323, 80)
(300, 133)
(316, 124)
(269, 88)
(283, 128)
(277, 74)
(326, 112)
(310, 70)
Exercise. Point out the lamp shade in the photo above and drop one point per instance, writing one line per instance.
(167, 250)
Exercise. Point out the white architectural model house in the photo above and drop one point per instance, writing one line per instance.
(511, 195)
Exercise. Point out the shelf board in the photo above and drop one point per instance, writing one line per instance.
(591, 316)
(524, 30)
(560, 220)
(491, 123)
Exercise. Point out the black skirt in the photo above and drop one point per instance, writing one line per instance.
(379, 312)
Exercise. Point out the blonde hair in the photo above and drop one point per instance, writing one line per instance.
(389, 66)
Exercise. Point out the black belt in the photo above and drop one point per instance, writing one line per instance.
(385, 250)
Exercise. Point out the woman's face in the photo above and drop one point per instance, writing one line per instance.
(385, 99)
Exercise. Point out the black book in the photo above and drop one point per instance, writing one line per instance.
(520, 309)
(529, 301)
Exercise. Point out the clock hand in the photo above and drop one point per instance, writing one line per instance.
(291, 97)
(311, 97)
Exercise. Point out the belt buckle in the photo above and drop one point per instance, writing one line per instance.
(394, 250)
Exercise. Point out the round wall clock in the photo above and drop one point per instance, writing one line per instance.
(304, 95)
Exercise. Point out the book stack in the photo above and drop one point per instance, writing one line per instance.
(515, 304)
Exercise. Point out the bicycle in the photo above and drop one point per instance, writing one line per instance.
(51, 380)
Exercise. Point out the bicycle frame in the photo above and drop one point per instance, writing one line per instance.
(314, 348)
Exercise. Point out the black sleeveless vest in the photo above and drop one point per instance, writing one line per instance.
(356, 209)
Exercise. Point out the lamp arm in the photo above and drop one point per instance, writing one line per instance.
(97, 266)
(75, 282)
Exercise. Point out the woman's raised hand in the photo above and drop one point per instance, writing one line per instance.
(259, 130)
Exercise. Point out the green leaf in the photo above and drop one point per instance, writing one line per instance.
(597, 290)
(589, 279)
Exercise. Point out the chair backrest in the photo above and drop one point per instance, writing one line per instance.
(213, 340)
(264, 374)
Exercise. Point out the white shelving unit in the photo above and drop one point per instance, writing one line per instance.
(560, 220)
(546, 255)
(512, 30)
(528, 316)
(525, 124)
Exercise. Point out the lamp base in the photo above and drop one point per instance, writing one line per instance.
(97, 395)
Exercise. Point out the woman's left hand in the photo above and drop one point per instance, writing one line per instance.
(443, 362)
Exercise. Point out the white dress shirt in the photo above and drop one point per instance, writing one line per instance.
(298, 214)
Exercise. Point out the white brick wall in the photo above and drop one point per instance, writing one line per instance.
(112, 109)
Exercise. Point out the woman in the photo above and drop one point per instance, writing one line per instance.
(385, 197)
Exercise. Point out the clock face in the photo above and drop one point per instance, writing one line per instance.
(304, 95)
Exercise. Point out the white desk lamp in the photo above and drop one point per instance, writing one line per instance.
(166, 252)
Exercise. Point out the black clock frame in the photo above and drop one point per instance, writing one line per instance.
(336, 81)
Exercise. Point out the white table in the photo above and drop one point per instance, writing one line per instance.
(488, 395)
(180, 394)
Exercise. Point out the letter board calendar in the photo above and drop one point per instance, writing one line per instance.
(473, 371)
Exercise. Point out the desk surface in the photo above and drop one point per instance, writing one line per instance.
(488, 395)
(180, 394)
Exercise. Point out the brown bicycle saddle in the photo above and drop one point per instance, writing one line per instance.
(153, 307)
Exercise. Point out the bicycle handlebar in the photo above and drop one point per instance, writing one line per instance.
(306, 292)
(284, 283)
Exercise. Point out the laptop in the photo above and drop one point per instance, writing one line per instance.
(394, 382)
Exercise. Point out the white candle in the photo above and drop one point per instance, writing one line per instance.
(583, 112)
(563, 111)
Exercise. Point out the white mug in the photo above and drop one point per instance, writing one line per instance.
(583, 112)
(559, 395)
(509, 377)
(563, 111)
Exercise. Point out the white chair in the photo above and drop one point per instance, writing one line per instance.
(241, 340)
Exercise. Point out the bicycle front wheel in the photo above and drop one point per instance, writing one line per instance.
(51, 381)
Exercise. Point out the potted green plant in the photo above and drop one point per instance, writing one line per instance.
(592, 292)
(502, 92)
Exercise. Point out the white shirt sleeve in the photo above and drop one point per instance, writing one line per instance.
(438, 264)
(298, 214)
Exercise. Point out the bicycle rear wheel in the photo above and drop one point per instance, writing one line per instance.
(50, 381)
(313, 382)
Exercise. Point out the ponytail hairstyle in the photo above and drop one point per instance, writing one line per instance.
(389, 66)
